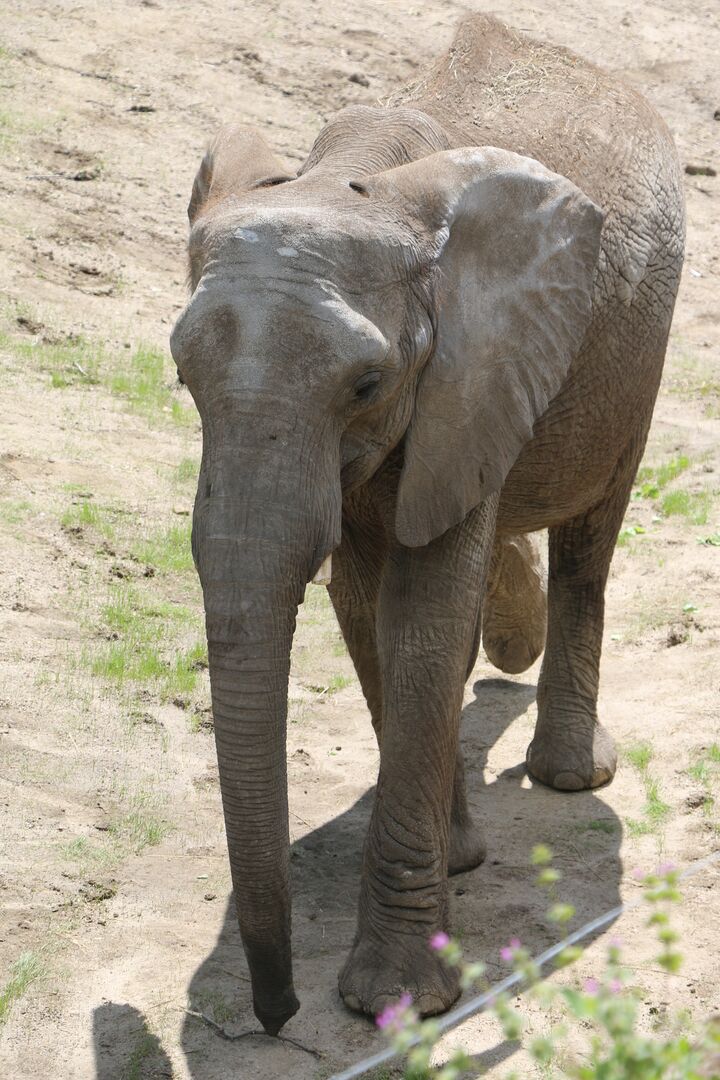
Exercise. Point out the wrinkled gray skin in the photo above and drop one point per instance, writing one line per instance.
(445, 333)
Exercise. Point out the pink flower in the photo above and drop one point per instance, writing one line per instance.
(638, 874)
(591, 986)
(666, 868)
(615, 986)
(615, 943)
(439, 941)
(507, 953)
(392, 1016)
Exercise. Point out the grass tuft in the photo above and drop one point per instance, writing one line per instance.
(655, 810)
(695, 506)
(652, 481)
(169, 550)
(26, 970)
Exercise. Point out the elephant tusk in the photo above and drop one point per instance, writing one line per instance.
(324, 574)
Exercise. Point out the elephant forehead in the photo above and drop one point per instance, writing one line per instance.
(359, 252)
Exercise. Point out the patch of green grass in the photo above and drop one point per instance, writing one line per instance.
(144, 649)
(627, 533)
(655, 810)
(142, 826)
(213, 1001)
(69, 362)
(144, 381)
(652, 481)
(332, 686)
(187, 471)
(88, 852)
(85, 513)
(26, 970)
(705, 770)
(695, 506)
(169, 550)
(14, 511)
(639, 755)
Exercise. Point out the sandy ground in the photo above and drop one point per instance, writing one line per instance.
(113, 875)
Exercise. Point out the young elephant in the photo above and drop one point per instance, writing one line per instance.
(446, 332)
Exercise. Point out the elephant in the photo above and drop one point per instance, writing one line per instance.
(443, 334)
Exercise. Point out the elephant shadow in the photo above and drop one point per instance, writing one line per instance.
(489, 905)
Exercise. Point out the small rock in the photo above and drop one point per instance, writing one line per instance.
(210, 895)
(86, 174)
(695, 799)
(359, 78)
(182, 511)
(142, 108)
(716, 114)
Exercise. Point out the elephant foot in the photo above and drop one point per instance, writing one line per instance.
(467, 847)
(379, 971)
(512, 653)
(572, 763)
(515, 606)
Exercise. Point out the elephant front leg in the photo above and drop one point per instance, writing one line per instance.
(357, 571)
(426, 629)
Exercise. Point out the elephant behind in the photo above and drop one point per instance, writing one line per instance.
(445, 333)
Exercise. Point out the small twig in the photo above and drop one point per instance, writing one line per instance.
(235, 974)
(80, 368)
(246, 1034)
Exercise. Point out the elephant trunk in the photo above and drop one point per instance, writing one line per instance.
(257, 540)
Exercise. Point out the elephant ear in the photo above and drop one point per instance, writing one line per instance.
(237, 160)
(516, 250)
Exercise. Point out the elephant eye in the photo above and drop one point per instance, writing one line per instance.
(366, 385)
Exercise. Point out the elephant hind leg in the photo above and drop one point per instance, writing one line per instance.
(515, 604)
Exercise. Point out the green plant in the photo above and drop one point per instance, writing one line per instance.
(85, 513)
(695, 506)
(655, 810)
(26, 970)
(145, 383)
(627, 533)
(144, 646)
(606, 1009)
(169, 550)
(187, 471)
(14, 511)
(706, 771)
(652, 481)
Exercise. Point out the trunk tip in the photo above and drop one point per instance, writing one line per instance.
(274, 1021)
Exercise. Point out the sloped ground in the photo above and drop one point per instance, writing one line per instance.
(113, 875)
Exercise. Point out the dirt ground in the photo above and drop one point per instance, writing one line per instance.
(114, 881)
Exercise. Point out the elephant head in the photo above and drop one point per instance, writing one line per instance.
(369, 302)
